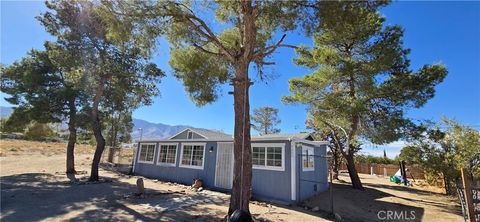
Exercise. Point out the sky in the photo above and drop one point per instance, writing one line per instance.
(445, 32)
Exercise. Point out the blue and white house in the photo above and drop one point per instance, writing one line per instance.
(286, 168)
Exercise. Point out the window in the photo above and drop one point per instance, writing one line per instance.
(189, 135)
(147, 151)
(167, 154)
(193, 155)
(268, 156)
(258, 156)
(308, 159)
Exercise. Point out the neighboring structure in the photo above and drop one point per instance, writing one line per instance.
(286, 168)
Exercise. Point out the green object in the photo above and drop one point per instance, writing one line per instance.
(394, 179)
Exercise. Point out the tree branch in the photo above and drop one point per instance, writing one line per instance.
(205, 50)
(262, 53)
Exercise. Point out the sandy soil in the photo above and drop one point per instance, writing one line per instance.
(34, 188)
(381, 196)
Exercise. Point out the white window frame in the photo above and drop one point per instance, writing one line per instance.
(189, 135)
(159, 149)
(190, 166)
(266, 145)
(140, 152)
(308, 148)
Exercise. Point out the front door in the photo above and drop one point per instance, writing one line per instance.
(224, 167)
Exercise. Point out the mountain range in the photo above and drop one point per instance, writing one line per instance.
(154, 130)
(148, 130)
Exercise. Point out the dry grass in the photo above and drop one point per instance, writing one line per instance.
(24, 147)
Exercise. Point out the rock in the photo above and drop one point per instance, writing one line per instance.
(315, 209)
(140, 187)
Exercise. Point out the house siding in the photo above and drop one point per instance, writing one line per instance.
(272, 184)
(181, 174)
(312, 182)
(267, 184)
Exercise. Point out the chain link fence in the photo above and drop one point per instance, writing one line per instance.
(119, 158)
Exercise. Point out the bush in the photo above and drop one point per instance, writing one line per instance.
(39, 131)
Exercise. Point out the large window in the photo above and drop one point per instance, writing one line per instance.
(167, 154)
(268, 156)
(308, 159)
(147, 151)
(193, 155)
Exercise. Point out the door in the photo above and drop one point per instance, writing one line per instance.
(224, 166)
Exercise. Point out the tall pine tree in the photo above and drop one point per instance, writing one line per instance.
(361, 83)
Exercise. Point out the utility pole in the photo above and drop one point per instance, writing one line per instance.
(141, 133)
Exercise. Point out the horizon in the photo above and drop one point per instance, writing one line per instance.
(445, 32)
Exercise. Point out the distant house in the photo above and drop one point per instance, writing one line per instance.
(286, 168)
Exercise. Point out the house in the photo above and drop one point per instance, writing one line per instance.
(286, 168)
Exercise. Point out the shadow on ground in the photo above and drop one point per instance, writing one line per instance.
(356, 205)
(40, 196)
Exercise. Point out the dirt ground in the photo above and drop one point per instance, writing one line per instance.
(381, 196)
(34, 188)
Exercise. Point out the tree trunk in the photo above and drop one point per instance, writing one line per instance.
(97, 132)
(335, 162)
(352, 172)
(72, 137)
(242, 179)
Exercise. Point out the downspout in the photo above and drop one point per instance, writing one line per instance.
(293, 164)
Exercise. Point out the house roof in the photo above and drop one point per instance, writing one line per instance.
(211, 134)
(283, 136)
(207, 134)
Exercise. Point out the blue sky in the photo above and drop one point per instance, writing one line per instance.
(446, 32)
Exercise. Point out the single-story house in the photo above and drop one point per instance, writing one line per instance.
(286, 168)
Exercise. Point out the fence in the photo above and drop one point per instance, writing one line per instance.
(386, 169)
(320, 178)
(469, 198)
(120, 158)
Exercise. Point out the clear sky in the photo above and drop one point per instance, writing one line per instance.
(446, 32)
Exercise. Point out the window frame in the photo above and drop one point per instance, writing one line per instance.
(159, 149)
(191, 156)
(266, 145)
(140, 153)
(312, 155)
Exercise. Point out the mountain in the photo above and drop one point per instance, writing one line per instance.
(150, 130)
(5, 111)
(154, 130)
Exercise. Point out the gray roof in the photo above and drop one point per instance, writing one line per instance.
(282, 136)
(211, 134)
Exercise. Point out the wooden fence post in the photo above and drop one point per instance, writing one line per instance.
(467, 191)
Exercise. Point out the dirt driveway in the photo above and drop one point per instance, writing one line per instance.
(33, 188)
(382, 196)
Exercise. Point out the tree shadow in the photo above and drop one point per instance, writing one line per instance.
(41, 196)
(371, 204)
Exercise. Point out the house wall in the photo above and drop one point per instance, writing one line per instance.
(180, 174)
(312, 182)
(272, 184)
(266, 184)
